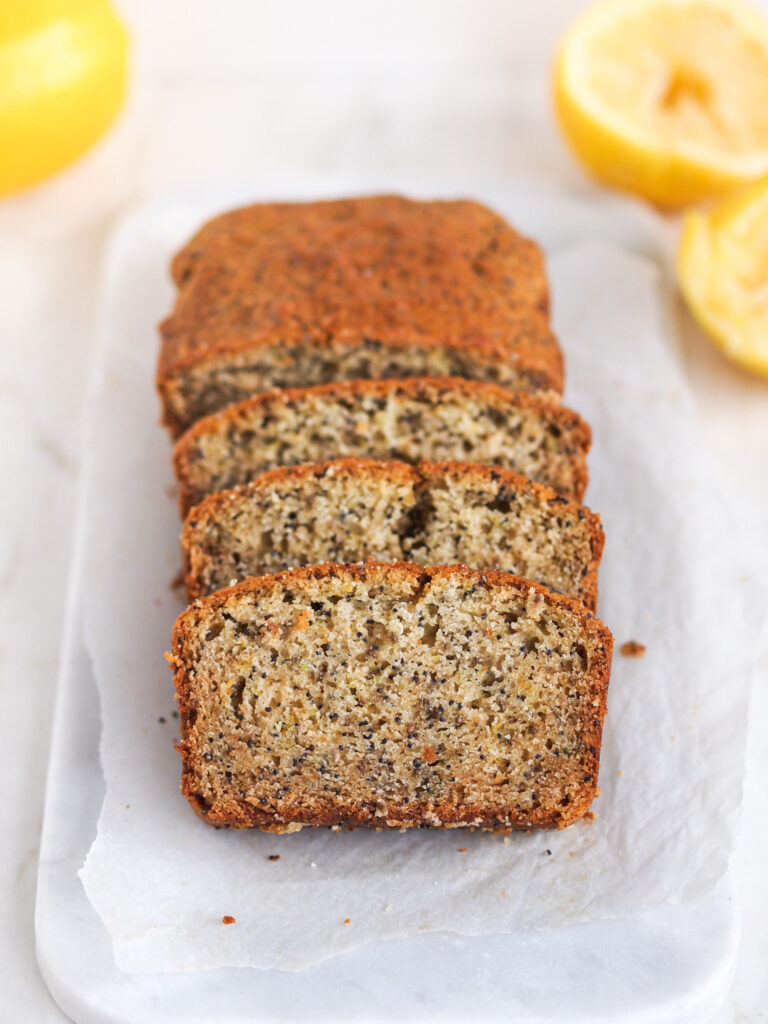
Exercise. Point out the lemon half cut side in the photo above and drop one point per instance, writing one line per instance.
(667, 98)
(722, 266)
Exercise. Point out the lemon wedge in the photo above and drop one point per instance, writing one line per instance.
(667, 98)
(63, 70)
(722, 266)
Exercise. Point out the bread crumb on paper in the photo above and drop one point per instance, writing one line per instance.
(632, 649)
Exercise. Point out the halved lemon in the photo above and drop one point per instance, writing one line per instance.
(667, 98)
(722, 266)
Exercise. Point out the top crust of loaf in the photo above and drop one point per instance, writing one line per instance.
(398, 271)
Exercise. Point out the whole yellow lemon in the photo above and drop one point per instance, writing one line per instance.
(63, 74)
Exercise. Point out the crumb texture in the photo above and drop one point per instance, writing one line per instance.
(428, 418)
(390, 696)
(352, 510)
(288, 294)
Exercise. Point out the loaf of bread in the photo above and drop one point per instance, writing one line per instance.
(410, 420)
(294, 294)
(390, 696)
(352, 510)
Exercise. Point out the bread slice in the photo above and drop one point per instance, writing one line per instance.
(294, 294)
(434, 513)
(421, 418)
(390, 696)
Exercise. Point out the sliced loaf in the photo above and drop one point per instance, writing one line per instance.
(390, 696)
(352, 510)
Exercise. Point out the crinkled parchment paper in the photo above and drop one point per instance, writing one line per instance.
(671, 579)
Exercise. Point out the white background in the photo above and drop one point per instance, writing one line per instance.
(242, 89)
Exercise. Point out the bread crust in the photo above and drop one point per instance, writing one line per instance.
(337, 274)
(432, 388)
(390, 470)
(234, 812)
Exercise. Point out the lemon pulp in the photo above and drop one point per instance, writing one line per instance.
(667, 98)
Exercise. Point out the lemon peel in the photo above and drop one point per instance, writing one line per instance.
(722, 267)
(63, 74)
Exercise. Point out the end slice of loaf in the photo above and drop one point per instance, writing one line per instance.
(353, 510)
(291, 294)
(390, 696)
(410, 420)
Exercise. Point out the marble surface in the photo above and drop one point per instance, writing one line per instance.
(448, 89)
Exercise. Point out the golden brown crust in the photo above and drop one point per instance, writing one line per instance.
(392, 470)
(236, 813)
(242, 413)
(337, 274)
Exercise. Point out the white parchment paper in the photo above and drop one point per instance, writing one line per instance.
(672, 578)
